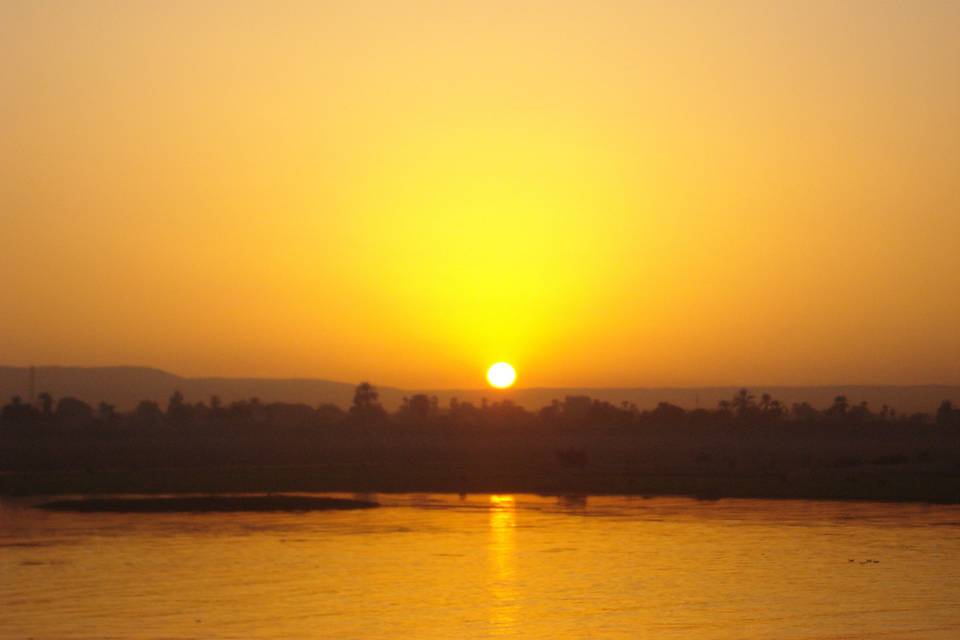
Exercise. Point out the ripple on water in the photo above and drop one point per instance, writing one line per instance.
(435, 566)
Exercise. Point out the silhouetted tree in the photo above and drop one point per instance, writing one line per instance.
(329, 414)
(73, 412)
(803, 411)
(859, 413)
(603, 413)
(106, 412)
(46, 404)
(839, 407)
(505, 414)
(724, 409)
(148, 413)
(947, 415)
(776, 410)
(668, 414)
(19, 413)
(365, 396)
(366, 404)
(742, 403)
(463, 414)
(178, 411)
(418, 407)
(771, 409)
(765, 400)
(256, 409)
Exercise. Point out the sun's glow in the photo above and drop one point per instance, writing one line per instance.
(501, 375)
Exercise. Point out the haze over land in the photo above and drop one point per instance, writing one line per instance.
(125, 387)
(605, 194)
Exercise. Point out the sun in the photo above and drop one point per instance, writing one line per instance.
(501, 375)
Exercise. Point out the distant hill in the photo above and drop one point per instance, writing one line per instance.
(124, 387)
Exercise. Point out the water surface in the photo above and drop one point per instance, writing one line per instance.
(440, 566)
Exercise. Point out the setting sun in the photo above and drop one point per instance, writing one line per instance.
(501, 375)
(258, 253)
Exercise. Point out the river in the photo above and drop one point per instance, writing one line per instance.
(482, 566)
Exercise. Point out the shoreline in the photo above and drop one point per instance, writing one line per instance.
(205, 504)
(868, 486)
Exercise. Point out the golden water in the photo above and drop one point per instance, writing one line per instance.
(488, 566)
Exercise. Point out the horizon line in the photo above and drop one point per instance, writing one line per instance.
(482, 388)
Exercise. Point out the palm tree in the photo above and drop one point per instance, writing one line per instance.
(742, 402)
(46, 403)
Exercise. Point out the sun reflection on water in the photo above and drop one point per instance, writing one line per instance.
(504, 596)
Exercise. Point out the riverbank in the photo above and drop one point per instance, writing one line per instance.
(204, 504)
(870, 484)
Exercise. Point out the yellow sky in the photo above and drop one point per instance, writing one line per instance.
(602, 193)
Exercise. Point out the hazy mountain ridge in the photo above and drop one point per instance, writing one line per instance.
(125, 386)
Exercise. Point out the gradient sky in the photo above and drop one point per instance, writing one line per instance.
(603, 193)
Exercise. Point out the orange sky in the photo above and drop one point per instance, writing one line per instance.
(603, 193)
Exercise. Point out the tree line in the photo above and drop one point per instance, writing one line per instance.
(578, 411)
